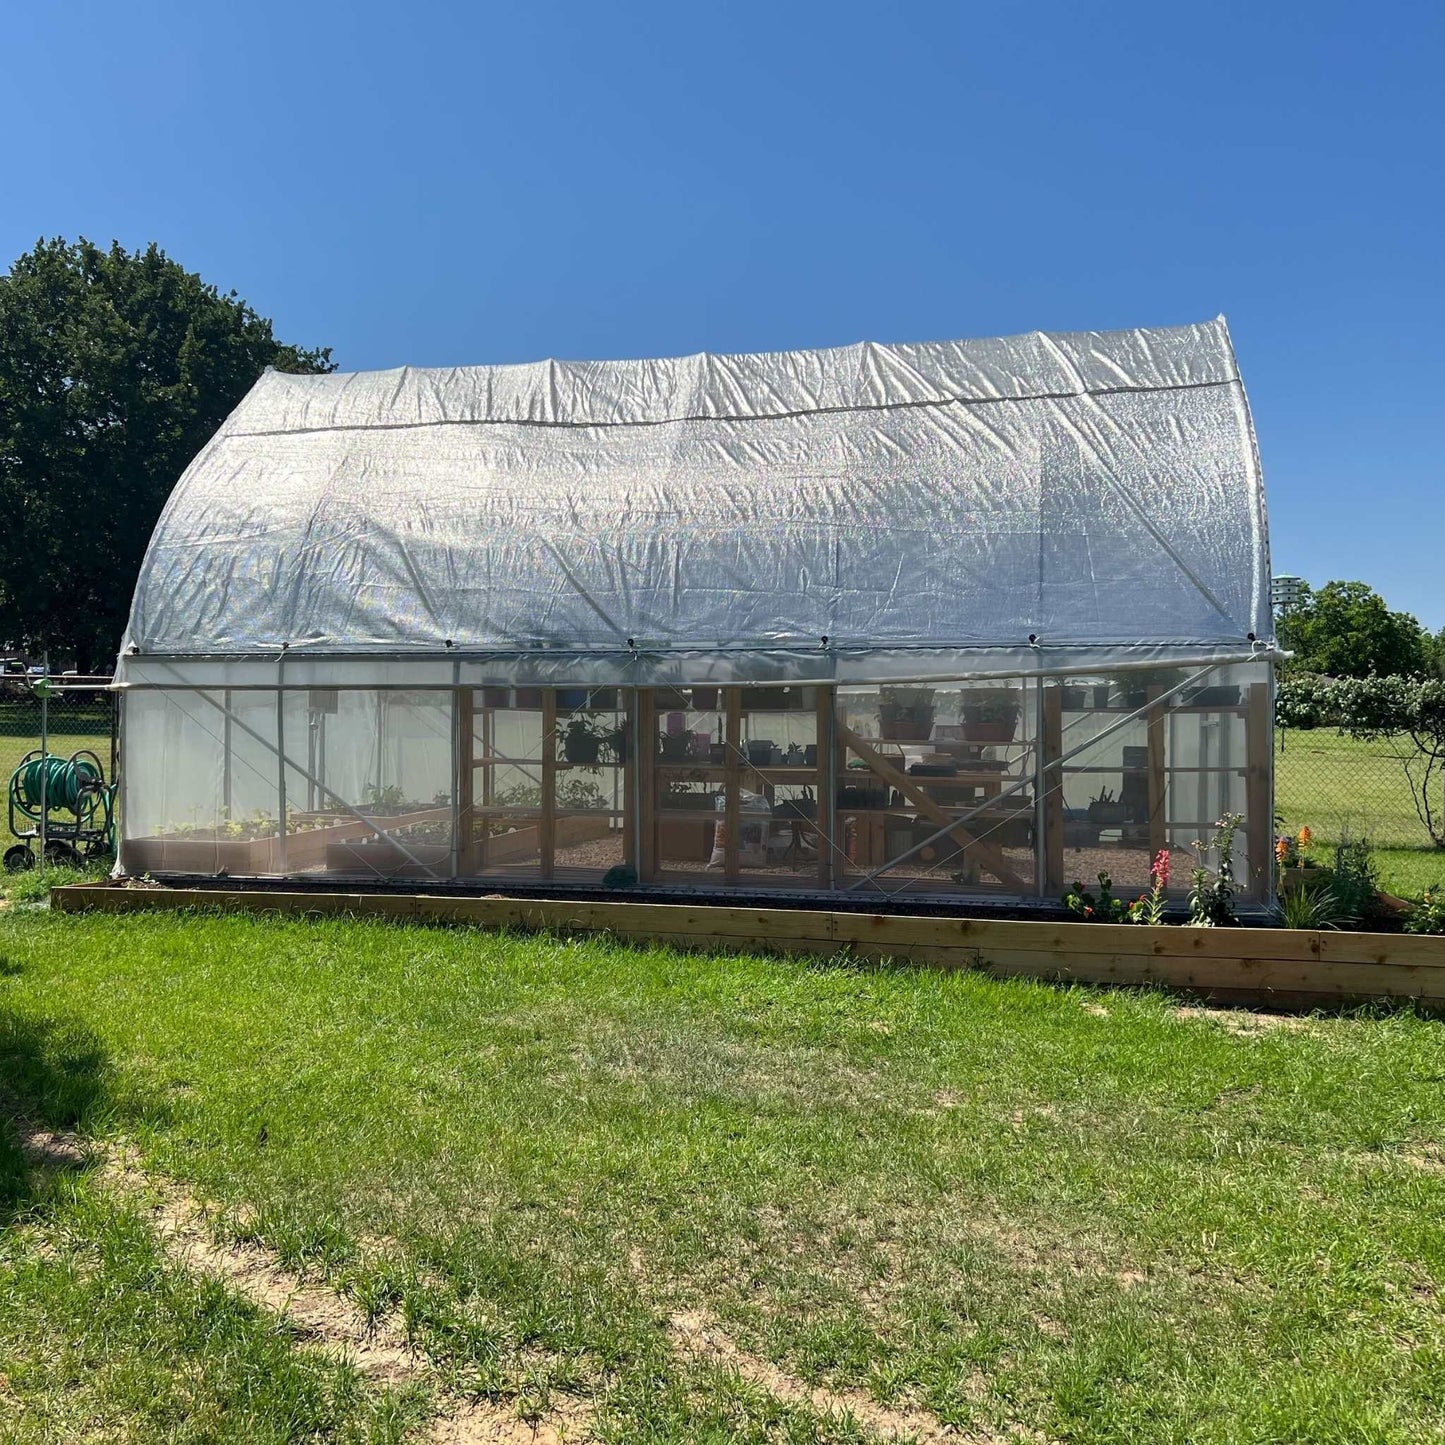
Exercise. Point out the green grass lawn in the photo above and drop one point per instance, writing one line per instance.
(1036, 1213)
(1339, 785)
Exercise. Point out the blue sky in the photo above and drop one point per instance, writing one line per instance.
(445, 183)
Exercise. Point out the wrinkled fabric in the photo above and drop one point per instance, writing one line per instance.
(857, 514)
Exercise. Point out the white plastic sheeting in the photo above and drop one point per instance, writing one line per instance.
(1041, 502)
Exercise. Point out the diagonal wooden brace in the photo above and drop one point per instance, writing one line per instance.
(987, 855)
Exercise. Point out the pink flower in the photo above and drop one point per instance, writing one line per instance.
(1160, 868)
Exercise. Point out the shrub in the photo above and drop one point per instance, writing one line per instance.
(1428, 916)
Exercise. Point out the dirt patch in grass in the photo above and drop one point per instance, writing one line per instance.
(696, 1335)
(1245, 1021)
(319, 1317)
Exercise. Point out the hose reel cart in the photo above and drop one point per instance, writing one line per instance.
(65, 801)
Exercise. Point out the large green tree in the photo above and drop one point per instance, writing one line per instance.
(1345, 629)
(115, 368)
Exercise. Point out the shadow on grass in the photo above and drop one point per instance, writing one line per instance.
(53, 1075)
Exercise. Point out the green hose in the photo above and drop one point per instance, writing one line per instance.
(69, 783)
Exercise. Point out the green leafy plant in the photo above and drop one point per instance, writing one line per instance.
(1102, 907)
(383, 799)
(1428, 916)
(1355, 878)
(582, 740)
(580, 794)
(905, 711)
(990, 706)
(1211, 896)
(1314, 906)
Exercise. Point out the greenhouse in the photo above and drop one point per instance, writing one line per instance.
(966, 620)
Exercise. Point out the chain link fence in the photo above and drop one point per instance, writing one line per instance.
(46, 725)
(1339, 785)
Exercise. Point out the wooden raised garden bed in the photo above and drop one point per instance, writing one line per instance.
(258, 857)
(1273, 966)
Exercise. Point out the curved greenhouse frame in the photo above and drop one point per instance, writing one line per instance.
(969, 618)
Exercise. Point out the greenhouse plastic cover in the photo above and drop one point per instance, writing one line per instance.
(1031, 503)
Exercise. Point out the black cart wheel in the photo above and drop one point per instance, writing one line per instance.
(18, 858)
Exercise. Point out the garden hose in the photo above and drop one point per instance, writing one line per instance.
(74, 784)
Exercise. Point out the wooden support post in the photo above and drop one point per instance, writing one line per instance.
(483, 848)
(732, 782)
(826, 791)
(466, 750)
(1157, 721)
(1051, 749)
(1258, 818)
(629, 777)
(547, 833)
(986, 855)
(646, 763)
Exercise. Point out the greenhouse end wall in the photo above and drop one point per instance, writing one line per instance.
(1003, 790)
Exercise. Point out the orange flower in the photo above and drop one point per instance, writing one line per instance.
(1281, 849)
(1305, 837)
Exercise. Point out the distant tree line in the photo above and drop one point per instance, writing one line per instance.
(1346, 629)
(115, 369)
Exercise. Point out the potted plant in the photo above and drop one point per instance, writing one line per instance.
(1107, 810)
(582, 740)
(615, 740)
(1131, 689)
(990, 715)
(1221, 695)
(675, 747)
(905, 714)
